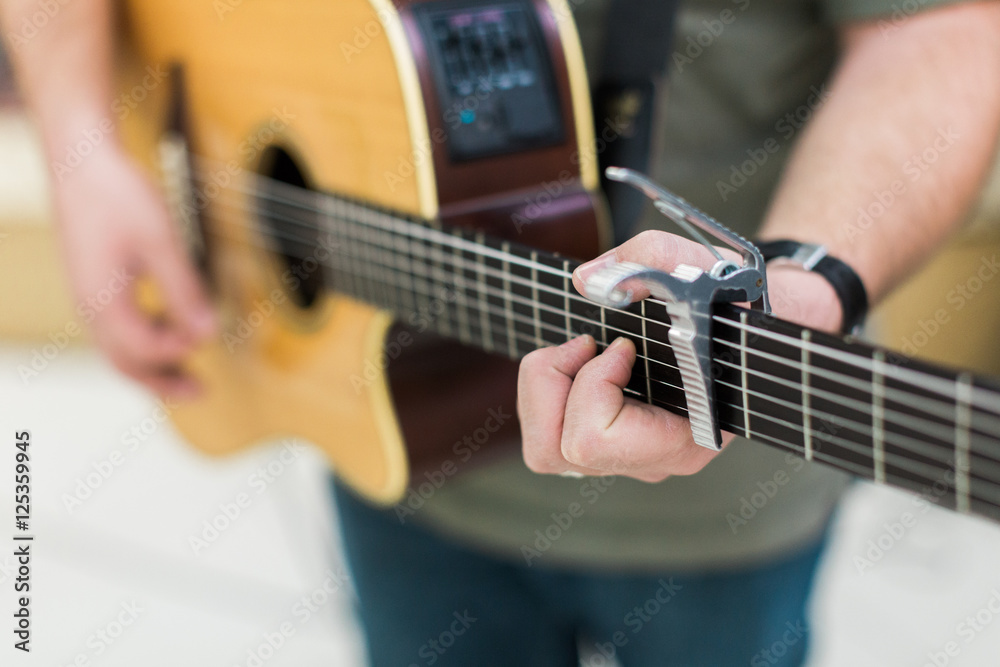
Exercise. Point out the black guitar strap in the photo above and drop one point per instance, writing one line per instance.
(638, 40)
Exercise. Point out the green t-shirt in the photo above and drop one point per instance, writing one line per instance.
(745, 76)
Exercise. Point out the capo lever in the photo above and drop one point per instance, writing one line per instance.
(689, 293)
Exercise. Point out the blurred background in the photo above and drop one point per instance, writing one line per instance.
(143, 557)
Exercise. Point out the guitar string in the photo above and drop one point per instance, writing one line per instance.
(366, 241)
(987, 399)
(892, 393)
(917, 447)
(908, 417)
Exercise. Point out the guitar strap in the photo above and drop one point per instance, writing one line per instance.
(628, 97)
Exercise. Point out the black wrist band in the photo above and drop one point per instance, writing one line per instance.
(845, 282)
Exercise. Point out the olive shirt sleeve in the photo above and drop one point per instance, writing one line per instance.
(890, 14)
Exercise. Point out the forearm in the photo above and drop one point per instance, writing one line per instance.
(63, 66)
(894, 158)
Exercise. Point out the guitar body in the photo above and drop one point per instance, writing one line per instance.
(345, 91)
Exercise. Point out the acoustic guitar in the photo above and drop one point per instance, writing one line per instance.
(388, 201)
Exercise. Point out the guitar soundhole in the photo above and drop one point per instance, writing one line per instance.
(292, 226)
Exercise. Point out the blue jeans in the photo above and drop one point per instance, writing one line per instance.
(426, 600)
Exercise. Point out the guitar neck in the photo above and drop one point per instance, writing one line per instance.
(873, 413)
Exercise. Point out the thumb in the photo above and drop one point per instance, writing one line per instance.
(175, 289)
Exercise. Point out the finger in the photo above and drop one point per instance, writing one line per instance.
(173, 384)
(604, 430)
(178, 282)
(165, 378)
(123, 329)
(544, 382)
(655, 249)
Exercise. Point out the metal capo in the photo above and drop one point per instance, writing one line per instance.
(689, 293)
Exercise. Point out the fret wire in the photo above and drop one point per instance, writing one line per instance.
(645, 352)
(963, 441)
(424, 300)
(926, 448)
(484, 315)
(842, 464)
(860, 384)
(878, 416)
(438, 269)
(604, 327)
(745, 380)
(806, 392)
(537, 316)
(462, 312)
(372, 257)
(329, 214)
(400, 293)
(508, 305)
(566, 293)
(402, 247)
(819, 455)
(535, 268)
(854, 469)
(857, 448)
(904, 375)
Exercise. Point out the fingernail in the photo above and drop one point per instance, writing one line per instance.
(618, 343)
(584, 271)
(579, 341)
(572, 473)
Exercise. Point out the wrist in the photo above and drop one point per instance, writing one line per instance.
(804, 297)
(843, 281)
(72, 143)
(83, 157)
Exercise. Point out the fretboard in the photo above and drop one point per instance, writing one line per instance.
(861, 409)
